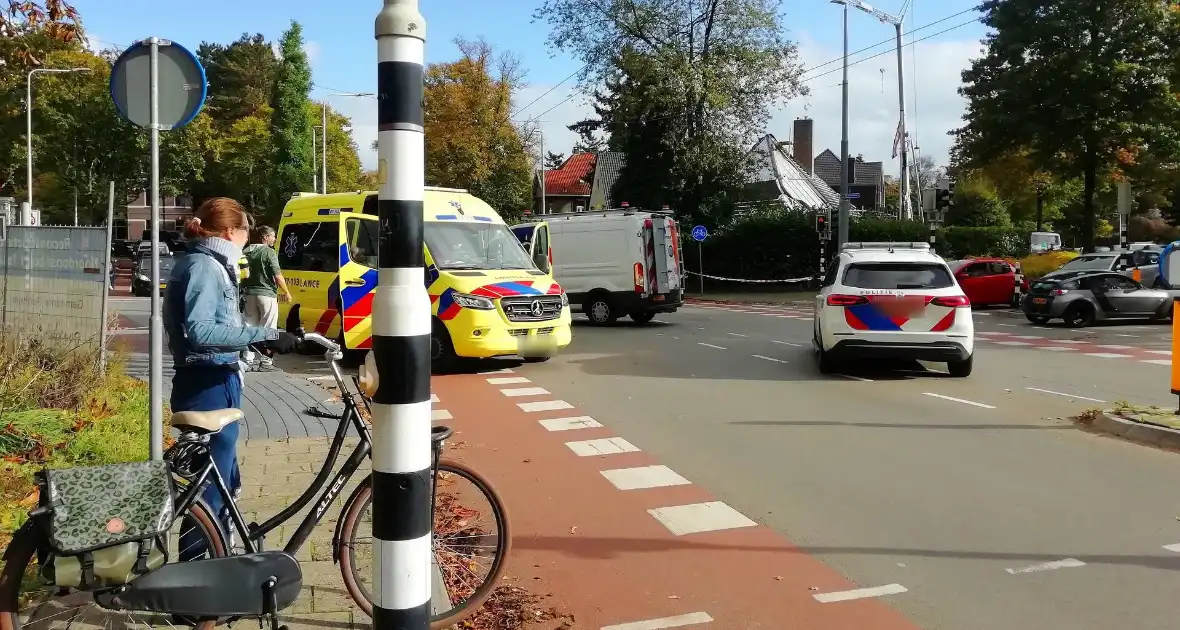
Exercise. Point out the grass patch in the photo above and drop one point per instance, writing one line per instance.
(59, 410)
(1147, 414)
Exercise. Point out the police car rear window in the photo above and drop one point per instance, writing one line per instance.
(913, 275)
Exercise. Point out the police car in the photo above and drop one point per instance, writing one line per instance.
(892, 301)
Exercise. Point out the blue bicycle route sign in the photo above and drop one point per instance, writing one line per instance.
(699, 233)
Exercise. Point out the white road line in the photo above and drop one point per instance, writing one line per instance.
(1123, 335)
(987, 332)
(1068, 563)
(658, 321)
(1026, 337)
(1173, 547)
(1157, 361)
(500, 371)
(1057, 349)
(1008, 325)
(644, 477)
(1070, 341)
(516, 392)
(434, 398)
(700, 517)
(758, 356)
(605, 446)
(1049, 391)
(1012, 343)
(507, 380)
(1109, 346)
(737, 334)
(859, 593)
(568, 424)
(787, 343)
(709, 345)
(1107, 355)
(691, 619)
(857, 378)
(958, 400)
(544, 405)
(440, 414)
(1166, 353)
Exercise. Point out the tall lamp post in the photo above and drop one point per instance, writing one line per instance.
(324, 136)
(27, 218)
(842, 220)
(315, 180)
(1040, 205)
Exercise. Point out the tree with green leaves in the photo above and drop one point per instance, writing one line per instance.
(554, 160)
(683, 86)
(1077, 83)
(290, 127)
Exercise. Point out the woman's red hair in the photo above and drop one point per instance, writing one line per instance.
(215, 217)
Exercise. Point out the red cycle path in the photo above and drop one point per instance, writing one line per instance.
(605, 560)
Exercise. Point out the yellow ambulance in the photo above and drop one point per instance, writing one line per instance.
(489, 296)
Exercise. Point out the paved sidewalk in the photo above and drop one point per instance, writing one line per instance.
(274, 402)
(275, 473)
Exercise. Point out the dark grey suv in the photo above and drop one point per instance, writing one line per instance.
(1080, 298)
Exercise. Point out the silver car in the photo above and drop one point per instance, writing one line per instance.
(1080, 298)
(1146, 260)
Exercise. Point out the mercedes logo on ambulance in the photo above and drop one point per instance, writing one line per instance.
(536, 309)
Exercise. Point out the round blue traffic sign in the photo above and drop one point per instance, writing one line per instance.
(180, 82)
(699, 233)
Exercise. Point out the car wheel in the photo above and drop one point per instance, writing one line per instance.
(443, 359)
(642, 317)
(1037, 319)
(1164, 313)
(961, 369)
(599, 310)
(1078, 315)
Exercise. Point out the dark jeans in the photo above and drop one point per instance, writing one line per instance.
(209, 388)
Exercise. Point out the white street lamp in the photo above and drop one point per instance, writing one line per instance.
(27, 218)
(324, 144)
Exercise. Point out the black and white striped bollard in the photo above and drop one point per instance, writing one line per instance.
(401, 332)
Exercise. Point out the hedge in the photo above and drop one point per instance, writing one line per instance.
(782, 244)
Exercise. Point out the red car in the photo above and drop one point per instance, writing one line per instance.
(986, 280)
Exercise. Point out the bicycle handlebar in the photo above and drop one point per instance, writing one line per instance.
(320, 340)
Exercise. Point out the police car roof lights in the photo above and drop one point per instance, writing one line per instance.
(886, 246)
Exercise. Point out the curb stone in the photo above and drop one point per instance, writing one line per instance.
(1154, 435)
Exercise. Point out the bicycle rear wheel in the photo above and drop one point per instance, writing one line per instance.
(28, 603)
(469, 557)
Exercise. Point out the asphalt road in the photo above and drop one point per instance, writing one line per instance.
(978, 495)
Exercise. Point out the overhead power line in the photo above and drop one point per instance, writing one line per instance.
(838, 59)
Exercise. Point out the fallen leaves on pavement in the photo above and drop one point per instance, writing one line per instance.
(513, 608)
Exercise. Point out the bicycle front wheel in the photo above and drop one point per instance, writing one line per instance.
(471, 541)
(28, 603)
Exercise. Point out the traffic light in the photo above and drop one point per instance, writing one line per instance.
(951, 194)
(942, 199)
(821, 222)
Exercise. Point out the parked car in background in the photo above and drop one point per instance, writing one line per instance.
(1145, 261)
(986, 281)
(1080, 298)
(141, 279)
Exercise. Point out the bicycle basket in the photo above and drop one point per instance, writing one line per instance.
(102, 506)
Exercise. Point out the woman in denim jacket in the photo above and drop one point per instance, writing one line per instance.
(206, 334)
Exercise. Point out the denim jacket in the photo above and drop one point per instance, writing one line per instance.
(200, 309)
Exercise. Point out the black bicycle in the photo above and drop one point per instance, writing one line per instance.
(464, 505)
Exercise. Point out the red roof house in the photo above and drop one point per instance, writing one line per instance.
(567, 186)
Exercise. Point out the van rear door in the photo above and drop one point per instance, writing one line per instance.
(535, 239)
(667, 254)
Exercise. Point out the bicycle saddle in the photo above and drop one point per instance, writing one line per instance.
(206, 421)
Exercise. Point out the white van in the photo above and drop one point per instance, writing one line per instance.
(612, 263)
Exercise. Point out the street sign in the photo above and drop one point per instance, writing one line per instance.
(853, 195)
(699, 233)
(181, 84)
(160, 85)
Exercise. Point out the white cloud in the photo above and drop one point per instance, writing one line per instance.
(872, 109)
(313, 50)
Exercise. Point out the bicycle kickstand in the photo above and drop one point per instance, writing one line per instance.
(270, 606)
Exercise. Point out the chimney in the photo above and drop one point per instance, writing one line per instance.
(802, 151)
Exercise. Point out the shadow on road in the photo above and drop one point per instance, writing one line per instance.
(606, 548)
(894, 425)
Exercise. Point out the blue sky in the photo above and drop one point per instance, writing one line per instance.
(343, 56)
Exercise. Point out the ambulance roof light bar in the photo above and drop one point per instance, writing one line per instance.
(886, 245)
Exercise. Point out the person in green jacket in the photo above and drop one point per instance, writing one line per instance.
(263, 289)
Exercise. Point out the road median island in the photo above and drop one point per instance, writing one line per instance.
(1144, 424)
